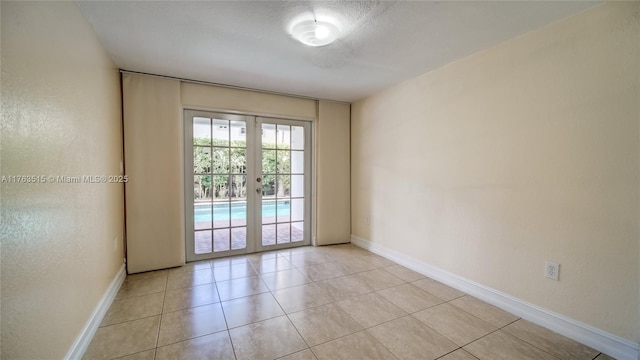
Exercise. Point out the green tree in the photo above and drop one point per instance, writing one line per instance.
(275, 162)
(215, 161)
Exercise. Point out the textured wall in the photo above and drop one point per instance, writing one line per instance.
(525, 152)
(60, 116)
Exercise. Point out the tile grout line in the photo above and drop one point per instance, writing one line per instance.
(131, 320)
(356, 332)
(135, 353)
(451, 352)
(494, 331)
(138, 296)
(363, 329)
(461, 346)
(293, 353)
(299, 334)
(203, 305)
(534, 345)
(164, 293)
(411, 315)
(288, 318)
(459, 308)
(224, 315)
(544, 351)
(336, 301)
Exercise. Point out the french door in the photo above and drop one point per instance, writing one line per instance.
(248, 182)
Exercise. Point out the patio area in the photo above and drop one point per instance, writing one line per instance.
(227, 238)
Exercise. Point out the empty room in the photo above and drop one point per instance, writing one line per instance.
(454, 180)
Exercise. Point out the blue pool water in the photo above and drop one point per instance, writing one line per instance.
(202, 212)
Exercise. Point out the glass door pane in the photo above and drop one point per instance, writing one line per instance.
(284, 164)
(219, 168)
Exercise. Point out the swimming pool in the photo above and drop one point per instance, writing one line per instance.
(202, 212)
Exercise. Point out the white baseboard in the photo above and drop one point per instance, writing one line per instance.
(600, 340)
(91, 326)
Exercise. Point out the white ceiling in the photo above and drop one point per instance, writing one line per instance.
(245, 43)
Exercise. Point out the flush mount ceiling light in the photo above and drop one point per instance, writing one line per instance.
(314, 31)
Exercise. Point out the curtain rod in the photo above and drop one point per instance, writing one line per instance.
(230, 86)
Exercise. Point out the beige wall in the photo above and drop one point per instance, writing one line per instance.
(60, 116)
(333, 168)
(525, 152)
(154, 163)
(206, 97)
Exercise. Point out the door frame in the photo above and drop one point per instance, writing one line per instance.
(308, 190)
(254, 155)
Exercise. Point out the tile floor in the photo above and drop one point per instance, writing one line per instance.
(333, 302)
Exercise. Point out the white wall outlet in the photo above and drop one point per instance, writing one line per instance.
(551, 270)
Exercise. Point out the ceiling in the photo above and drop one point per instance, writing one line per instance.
(246, 44)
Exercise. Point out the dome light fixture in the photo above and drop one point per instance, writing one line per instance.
(314, 32)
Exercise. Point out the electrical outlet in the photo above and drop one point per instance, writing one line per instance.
(368, 220)
(551, 270)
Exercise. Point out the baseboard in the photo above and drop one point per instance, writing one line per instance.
(600, 340)
(91, 326)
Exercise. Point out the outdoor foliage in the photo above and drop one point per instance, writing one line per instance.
(212, 164)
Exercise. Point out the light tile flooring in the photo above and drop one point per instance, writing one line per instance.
(333, 302)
